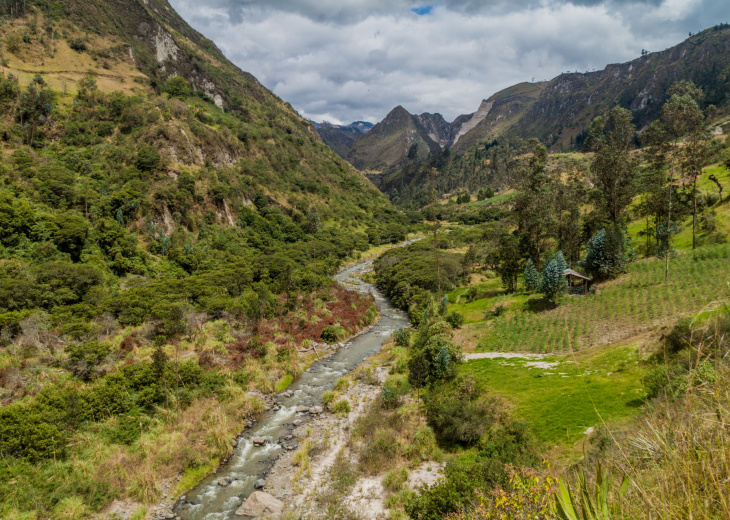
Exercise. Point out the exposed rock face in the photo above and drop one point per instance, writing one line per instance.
(165, 46)
(437, 128)
(461, 127)
(260, 504)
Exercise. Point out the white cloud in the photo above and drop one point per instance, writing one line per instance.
(346, 60)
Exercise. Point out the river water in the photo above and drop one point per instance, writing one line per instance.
(209, 501)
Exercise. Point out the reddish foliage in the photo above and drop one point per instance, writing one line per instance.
(239, 351)
(129, 343)
(288, 330)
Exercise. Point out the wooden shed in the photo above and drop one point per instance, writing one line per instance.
(581, 278)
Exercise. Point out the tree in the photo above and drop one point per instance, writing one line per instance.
(177, 87)
(509, 261)
(470, 258)
(534, 204)
(532, 277)
(607, 253)
(613, 167)
(35, 107)
(553, 283)
(435, 243)
(313, 223)
(413, 151)
(684, 117)
(680, 116)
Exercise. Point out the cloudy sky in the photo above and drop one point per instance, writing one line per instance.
(350, 60)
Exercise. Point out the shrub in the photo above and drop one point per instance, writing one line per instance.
(455, 319)
(394, 388)
(84, 359)
(147, 159)
(78, 45)
(341, 407)
(177, 87)
(395, 479)
(403, 337)
(333, 333)
(458, 413)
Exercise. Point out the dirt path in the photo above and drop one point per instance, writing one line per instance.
(501, 355)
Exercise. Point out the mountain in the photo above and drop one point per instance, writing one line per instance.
(341, 138)
(558, 112)
(398, 138)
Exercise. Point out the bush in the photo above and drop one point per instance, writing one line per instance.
(477, 471)
(147, 159)
(84, 359)
(341, 407)
(333, 333)
(455, 319)
(459, 413)
(394, 388)
(78, 45)
(403, 337)
(395, 479)
(177, 87)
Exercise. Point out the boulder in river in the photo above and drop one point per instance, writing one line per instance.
(259, 504)
(225, 481)
(258, 441)
(302, 409)
(314, 410)
(260, 483)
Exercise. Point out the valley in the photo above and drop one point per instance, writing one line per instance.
(214, 308)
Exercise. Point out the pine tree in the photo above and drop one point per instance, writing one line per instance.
(553, 282)
(532, 277)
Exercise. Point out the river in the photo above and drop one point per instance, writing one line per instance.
(208, 500)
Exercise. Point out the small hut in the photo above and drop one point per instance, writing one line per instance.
(573, 276)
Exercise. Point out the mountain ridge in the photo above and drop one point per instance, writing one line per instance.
(559, 111)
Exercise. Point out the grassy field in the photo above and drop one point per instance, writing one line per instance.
(562, 396)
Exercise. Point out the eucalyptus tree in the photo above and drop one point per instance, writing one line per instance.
(683, 117)
(535, 204)
(614, 168)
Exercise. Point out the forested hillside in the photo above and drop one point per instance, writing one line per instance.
(162, 217)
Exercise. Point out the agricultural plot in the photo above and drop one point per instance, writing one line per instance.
(637, 302)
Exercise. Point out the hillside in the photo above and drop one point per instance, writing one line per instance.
(341, 138)
(558, 112)
(167, 231)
